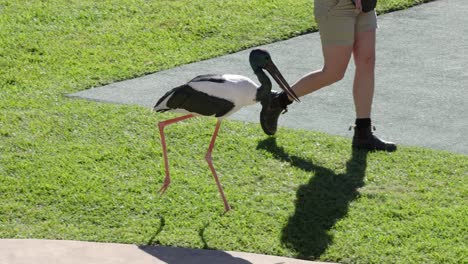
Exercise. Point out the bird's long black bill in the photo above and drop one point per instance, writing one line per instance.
(276, 74)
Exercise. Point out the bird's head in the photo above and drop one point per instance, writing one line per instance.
(260, 59)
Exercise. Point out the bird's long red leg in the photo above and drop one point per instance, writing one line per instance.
(161, 125)
(213, 171)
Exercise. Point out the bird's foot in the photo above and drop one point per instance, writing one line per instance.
(166, 183)
(227, 207)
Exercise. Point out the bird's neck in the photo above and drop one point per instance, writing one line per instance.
(263, 92)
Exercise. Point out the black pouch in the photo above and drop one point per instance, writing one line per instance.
(367, 5)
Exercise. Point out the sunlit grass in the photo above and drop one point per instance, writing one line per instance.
(73, 169)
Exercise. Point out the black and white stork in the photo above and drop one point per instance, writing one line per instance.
(219, 96)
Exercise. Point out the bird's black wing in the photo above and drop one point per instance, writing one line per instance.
(185, 97)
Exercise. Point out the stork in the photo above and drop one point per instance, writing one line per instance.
(219, 96)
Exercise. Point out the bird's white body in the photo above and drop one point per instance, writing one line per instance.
(237, 89)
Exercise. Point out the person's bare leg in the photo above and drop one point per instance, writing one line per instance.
(336, 59)
(364, 59)
(363, 93)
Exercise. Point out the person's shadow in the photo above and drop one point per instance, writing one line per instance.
(321, 202)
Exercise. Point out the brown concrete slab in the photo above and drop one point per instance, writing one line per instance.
(36, 251)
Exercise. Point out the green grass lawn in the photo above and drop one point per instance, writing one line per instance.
(74, 169)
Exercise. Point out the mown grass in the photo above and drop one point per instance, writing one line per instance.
(73, 169)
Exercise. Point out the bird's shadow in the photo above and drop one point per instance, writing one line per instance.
(162, 222)
(176, 255)
(152, 240)
(321, 202)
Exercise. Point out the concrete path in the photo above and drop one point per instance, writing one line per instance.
(32, 251)
(421, 87)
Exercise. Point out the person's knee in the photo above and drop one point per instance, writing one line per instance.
(338, 76)
(334, 75)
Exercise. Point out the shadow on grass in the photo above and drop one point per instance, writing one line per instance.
(201, 233)
(176, 255)
(320, 203)
(152, 240)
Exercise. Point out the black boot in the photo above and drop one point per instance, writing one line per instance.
(271, 109)
(365, 139)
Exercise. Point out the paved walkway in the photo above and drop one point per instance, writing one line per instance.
(34, 251)
(421, 87)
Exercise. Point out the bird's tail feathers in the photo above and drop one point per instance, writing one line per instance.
(161, 105)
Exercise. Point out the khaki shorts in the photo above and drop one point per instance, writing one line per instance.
(338, 21)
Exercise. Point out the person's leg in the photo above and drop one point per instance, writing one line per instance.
(336, 59)
(363, 86)
(336, 21)
(363, 93)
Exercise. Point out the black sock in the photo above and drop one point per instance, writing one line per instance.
(363, 122)
(284, 100)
